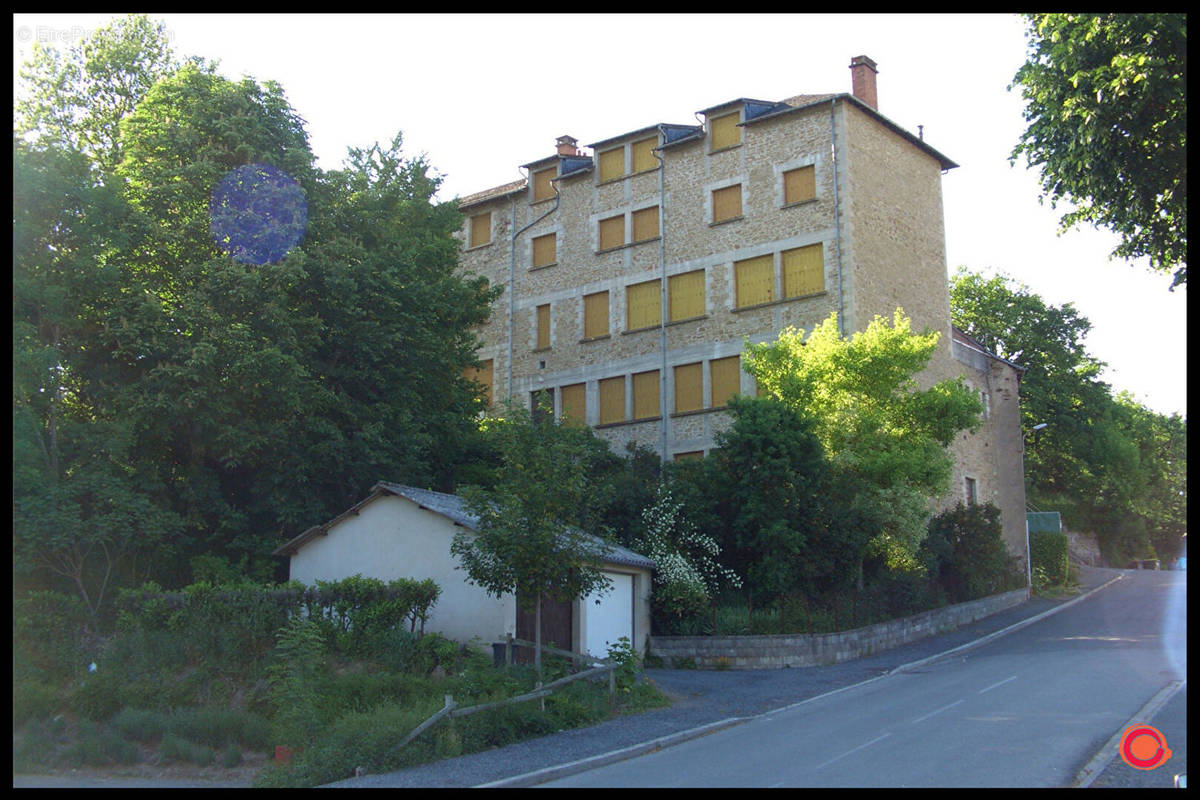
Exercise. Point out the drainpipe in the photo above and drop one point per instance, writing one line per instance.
(512, 274)
(837, 219)
(662, 318)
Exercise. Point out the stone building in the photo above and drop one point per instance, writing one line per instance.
(636, 272)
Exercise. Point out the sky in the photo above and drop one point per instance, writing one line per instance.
(479, 95)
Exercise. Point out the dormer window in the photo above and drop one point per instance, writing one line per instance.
(723, 131)
(543, 189)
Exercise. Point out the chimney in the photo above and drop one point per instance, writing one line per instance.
(862, 80)
(567, 145)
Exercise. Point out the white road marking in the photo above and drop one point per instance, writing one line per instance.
(1001, 683)
(855, 750)
(934, 713)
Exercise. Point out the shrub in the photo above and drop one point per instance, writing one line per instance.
(218, 727)
(49, 635)
(98, 696)
(98, 746)
(33, 699)
(175, 748)
(965, 551)
(1049, 551)
(140, 725)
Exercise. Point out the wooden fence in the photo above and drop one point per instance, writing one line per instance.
(451, 709)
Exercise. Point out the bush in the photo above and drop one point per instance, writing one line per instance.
(33, 699)
(49, 635)
(140, 725)
(217, 728)
(1049, 551)
(965, 552)
(175, 748)
(97, 746)
(98, 696)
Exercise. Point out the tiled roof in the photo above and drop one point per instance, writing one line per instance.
(491, 194)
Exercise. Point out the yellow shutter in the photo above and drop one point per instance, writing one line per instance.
(612, 164)
(543, 327)
(689, 454)
(542, 188)
(799, 184)
(595, 315)
(645, 395)
(755, 278)
(612, 400)
(544, 250)
(643, 305)
(689, 387)
(643, 155)
(725, 131)
(483, 376)
(645, 224)
(612, 232)
(481, 229)
(803, 271)
(686, 295)
(726, 375)
(727, 203)
(574, 404)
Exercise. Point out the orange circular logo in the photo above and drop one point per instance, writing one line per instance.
(1144, 747)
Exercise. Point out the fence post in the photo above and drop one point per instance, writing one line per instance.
(541, 700)
(508, 649)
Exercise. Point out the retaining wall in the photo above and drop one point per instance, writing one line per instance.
(807, 650)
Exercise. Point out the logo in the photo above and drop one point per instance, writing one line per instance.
(1144, 747)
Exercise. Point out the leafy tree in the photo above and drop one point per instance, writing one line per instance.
(527, 540)
(885, 439)
(1106, 107)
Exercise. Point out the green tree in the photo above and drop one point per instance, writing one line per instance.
(885, 439)
(1106, 107)
(527, 541)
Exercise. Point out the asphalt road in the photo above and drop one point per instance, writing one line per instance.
(1029, 709)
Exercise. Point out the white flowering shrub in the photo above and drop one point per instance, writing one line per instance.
(687, 572)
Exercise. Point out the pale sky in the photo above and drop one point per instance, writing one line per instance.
(481, 94)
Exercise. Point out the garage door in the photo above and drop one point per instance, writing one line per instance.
(612, 618)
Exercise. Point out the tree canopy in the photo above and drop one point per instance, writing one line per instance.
(1106, 107)
(210, 333)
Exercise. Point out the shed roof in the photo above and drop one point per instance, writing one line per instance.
(453, 508)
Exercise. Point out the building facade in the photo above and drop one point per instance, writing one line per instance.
(635, 273)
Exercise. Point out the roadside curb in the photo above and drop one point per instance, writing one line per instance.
(1108, 752)
(563, 770)
(1003, 631)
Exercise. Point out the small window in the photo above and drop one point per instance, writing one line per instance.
(612, 400)
(612, 232)
(727, 203)
(685, 295)
(972, 491)
(643, 305)
(543, 189)
(545, 250)
(645, 224)
(799, 185)
(611, 164)
(645, 395)
(481, 229)
(482, 375)
(724, 131)
(754, 281)
(689, 455)
(803, 271)
(689, 387)
(543, 327)
(726, 376)
(595, 315)
(644, 159)
(574, 404)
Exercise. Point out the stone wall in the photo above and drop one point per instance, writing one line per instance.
(808, 650)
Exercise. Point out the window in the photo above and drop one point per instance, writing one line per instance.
(644, 159)
(543, 189)
(724, 131)
(689, 454)
(595, 315)
(972, 491)
(574, 403)
(612, 232)
(481, 229)
(799, 185)
(726, 374)
(727, 203)
(754, 281)
(643, 305)
(645, 395)
(685, 295)
(612, 400)
(543, 327)
(483, 376)
(645, 224)
(611, 164)
(689, 387)
(545, 250)
(803, 271)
